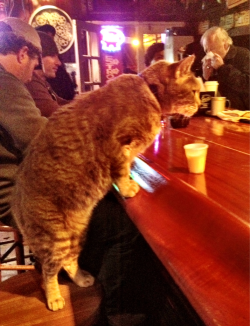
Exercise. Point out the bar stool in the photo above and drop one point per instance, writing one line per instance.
(23, 302)
(15, 244)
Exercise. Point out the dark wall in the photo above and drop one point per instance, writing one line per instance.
(241, 40)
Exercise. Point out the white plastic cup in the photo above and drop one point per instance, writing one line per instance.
(211, 86)
(196, 155)
(218, 104)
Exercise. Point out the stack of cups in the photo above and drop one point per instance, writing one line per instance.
(211, 86)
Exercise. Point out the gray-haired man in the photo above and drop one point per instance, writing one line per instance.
(228, 64)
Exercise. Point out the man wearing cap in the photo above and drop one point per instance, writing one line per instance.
(44, 96)
(20, 119)
(63, 84)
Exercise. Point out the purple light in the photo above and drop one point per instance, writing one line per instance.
(111, 38)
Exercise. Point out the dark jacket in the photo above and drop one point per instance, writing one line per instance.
(43, 95)
(20, 121)
(62, 84)
(233, 77)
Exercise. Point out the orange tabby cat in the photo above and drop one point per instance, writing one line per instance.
(84, 148)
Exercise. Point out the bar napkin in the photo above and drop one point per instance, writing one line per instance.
(208, 56)
(234, 115)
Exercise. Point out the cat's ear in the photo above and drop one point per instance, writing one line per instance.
(184, 66)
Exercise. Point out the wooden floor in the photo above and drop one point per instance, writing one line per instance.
(23, 296)
(22, 302)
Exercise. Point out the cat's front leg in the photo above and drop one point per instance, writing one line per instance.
(127, 187)
(53, 295)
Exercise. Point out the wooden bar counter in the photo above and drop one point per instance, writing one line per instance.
(198, 225)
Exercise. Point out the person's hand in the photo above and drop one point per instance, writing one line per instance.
(207, 68)
(217, 61)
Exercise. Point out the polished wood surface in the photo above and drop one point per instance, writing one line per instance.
(226, 179)
(22, 303)
(198, 225)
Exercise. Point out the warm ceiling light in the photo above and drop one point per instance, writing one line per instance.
(135, 42)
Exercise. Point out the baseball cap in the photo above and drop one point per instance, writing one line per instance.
(21, 28)
(49, 47)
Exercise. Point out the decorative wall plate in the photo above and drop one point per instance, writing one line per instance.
(60, 20)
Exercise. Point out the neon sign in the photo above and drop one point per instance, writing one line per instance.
(111, 38)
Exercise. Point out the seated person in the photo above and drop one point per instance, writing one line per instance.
(20, 119)
(62, 84)
(38, 87)
(229, 65)
(154, 53)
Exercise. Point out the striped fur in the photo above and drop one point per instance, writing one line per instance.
(84, 148)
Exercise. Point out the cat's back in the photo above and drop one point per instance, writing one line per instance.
(129, 90)
(95, 115)
(94, 124)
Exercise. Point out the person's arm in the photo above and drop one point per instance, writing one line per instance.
(43, 96)
(19, 116)
(61, 101)
(207, 69)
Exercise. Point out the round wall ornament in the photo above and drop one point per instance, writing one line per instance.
(60, 20)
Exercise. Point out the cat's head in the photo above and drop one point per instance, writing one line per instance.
(174, 85)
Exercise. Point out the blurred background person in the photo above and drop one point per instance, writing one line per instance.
(228, 64)
(154, 53)
(62, 84)
(196, 49)
(39, 87)
(129, 59)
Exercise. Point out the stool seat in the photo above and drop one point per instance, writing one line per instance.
(22, 302)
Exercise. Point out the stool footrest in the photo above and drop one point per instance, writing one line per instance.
(16, 267)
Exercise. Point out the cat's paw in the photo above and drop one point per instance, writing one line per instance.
(130, 190)
(55, 304)
(83, 279)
